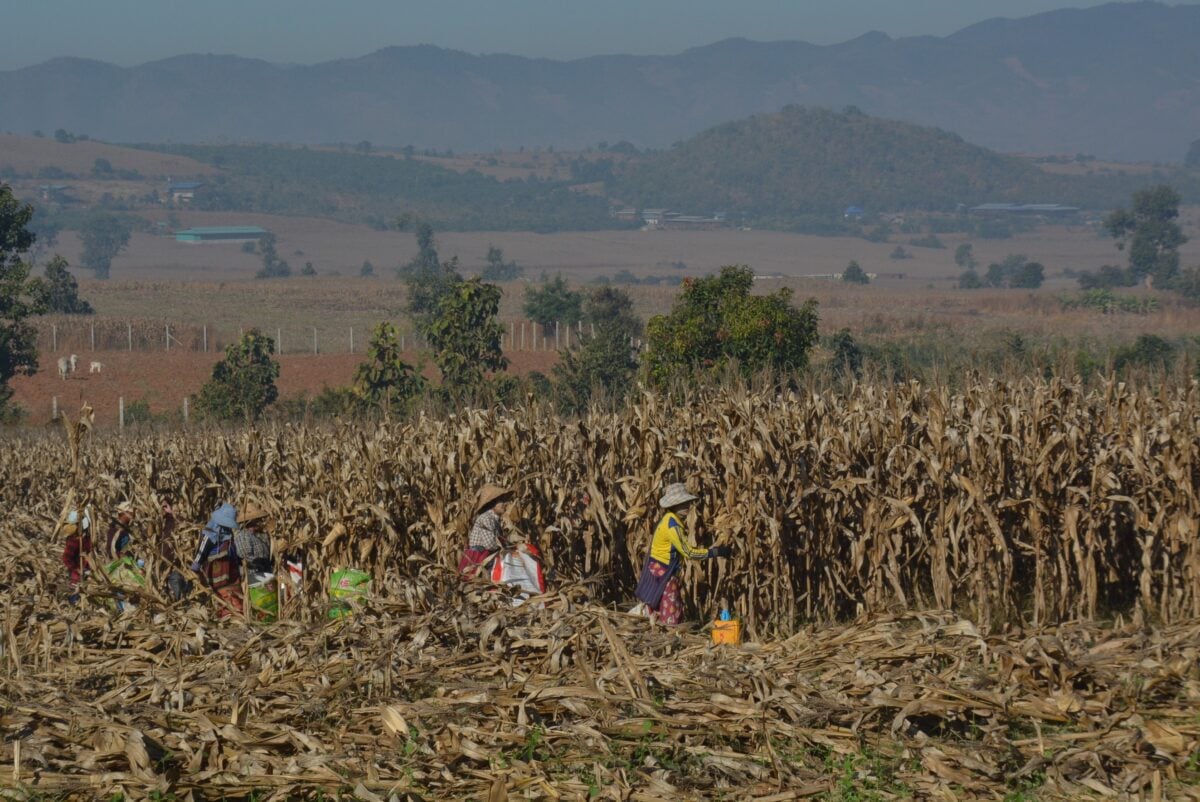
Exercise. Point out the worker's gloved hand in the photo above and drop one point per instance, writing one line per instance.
(718, 551)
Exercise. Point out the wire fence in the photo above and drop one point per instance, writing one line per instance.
(85, 335)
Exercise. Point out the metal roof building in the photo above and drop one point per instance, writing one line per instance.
(220, 233)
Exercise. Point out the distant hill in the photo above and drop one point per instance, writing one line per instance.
(779, 169)
(1118, 81)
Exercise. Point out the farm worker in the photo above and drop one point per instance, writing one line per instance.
(216, 559)
(120, 534)
(657, 587)
(177, 586)
(77, 550)
(251, 544)
(486, 536)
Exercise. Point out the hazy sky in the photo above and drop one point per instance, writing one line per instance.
(132, 31)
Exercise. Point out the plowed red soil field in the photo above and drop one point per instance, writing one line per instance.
(164, 379)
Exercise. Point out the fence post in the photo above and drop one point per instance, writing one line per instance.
(593, 325)
(129, 333)
(314, 339)
(352, 339)
(168, 336)
(54, 408)
(401, 343)
(278, 341)
(121, 413)
(522, 335)
(206, 338)
(93, 336)
(556, 335)
(512, 335)
(185, 410)
(54, 337)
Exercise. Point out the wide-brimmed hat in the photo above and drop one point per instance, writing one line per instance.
(489, 495)
(251, 513)
(125, 507)
(674, 495)
(69, 529)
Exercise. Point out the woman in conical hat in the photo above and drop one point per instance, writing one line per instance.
(658, 587)
(486, 536)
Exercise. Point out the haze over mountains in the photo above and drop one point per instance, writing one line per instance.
(1120, 81)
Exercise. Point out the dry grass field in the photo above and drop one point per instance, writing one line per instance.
(584, 256)
(29, 154)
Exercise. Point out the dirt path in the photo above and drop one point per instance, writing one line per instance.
(164, 379)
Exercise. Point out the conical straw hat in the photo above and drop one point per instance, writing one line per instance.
(489, 495)
(674, 495)
(251, 513)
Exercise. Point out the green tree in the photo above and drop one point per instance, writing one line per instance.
(58, 290)
(853, 274)
(499, 270)
(428, 278)
(553, 302)
(1150, 230)
(18, 297)
(1028, 276)
(384, 380)
(964, 256)
(45, 228)
(1188, 283)
(272, 265)
(308, 270)
(367, 270)
(104, 236)
(1015, 272)
(716, 321)
(1148, 351)
(604, 363)
(243, 383)
(847, 356)
(969, 280)
(1193, 155)
(465, 337)
(1107, 277)
(102, 168)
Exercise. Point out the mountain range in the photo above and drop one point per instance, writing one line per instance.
(1119, 81)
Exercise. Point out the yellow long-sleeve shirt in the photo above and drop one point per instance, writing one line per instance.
(668, 537)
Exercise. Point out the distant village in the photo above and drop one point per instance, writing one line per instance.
(656, 219)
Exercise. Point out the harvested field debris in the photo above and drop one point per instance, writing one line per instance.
(946, 596)
(453, 695)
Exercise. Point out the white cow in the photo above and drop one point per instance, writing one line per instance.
(73, 361)
(96, 367)
(64, 367)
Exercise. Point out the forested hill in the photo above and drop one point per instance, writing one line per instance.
(377, 189)
(777, 169)
(1119, 81)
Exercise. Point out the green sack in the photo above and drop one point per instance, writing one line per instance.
(124, 572)
(345, 587)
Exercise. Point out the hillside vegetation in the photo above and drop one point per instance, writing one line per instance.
(359, 187)
(777, 169)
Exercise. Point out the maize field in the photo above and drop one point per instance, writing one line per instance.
(944, 595)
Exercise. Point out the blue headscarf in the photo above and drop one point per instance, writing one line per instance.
(218, 531)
